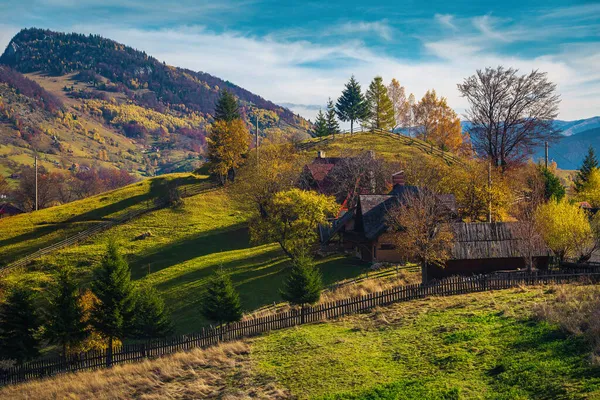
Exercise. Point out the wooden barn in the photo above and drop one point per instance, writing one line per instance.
(7, 210)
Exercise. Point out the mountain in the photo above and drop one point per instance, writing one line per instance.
(83, 99)
(570, 128)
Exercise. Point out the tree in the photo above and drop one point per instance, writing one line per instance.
(65, 324)
(291, 219)
(226, 108)
(111, 284)
(221, 300)
(19, 325)
(303, 285)
(566, 229)
(589, 163)
(332, 125)
(590, 189)
(437, 122)
(228, 142)
(150, 318)
(412, 102)
(397, 95)
(421, 229)
(552, 186)
(510, 115)
(47, 184)
(381, 110)
(352, 106)
(320, 125)
(3, 186)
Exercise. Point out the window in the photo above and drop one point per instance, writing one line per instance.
(387, 246)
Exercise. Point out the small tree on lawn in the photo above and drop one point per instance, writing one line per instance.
(19, 325)
(65, 324)
(320, 129)
(112, 313)
(333, 126)
(150, 318)
(303, 285)
(221, 300)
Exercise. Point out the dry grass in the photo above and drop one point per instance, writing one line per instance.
(222, 372)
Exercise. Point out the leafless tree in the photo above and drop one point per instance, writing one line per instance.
(3, 186)
(510, 114)
(47, 183)
(421, 229)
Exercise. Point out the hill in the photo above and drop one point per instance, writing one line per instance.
(111, 105)
(483, 345)
(570, 151)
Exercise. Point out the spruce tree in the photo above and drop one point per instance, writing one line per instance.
(221, 300)
(320, 125)
(303, 285)
(332, 125)
(19, 325)
(381, 108)
(552, 186)
(65, 325)
(226, 108)
(151, 319)
(589, 163)
(112, 315)
(352, 106)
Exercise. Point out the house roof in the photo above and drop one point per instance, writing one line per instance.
(9, 209)
(482, 240)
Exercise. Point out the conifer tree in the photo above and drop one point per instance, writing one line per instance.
(19, 325)
(320, 125)
(552, 186)
(381, 108)
(65, 316)
(352, 106)
(332, 125)
(303, 285)
(112, 314)
(151, 319)
(589, 163)
(221, 300)
(226, 108)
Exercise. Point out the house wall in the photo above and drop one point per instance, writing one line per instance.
(379, 251)
(482, 266)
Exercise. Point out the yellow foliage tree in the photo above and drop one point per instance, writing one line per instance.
(590, 190)
(437, 122)
(228, 142)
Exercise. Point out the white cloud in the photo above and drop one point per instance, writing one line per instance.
(446, 20)
(380, 28)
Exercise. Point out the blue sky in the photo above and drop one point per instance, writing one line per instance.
(301, 53)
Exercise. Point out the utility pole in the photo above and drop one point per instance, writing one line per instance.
(490, 190)
(546, 158)
(36, 180)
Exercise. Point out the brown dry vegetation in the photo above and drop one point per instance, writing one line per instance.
(221, 372)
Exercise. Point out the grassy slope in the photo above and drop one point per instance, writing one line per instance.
(476, 346)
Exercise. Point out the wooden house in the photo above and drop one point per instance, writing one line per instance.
(7, 210)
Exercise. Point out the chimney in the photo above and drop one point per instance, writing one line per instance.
(398, 178)
(320, 154)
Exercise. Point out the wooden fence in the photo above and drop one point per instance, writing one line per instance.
(212, 336)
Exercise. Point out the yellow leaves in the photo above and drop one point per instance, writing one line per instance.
(438, 122)
(227, 144)
(590, 191)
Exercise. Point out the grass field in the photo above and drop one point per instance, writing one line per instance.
(475, 346)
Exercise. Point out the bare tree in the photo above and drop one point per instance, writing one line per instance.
(47, 183)
(3, 186)
(421, 229)
(510, 114)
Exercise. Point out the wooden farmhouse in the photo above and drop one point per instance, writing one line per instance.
(7, 210)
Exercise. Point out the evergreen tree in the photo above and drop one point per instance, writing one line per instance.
(19, 324)
(112, 314)
(151, 319)
(226, 108)
(65, 316)
(332, 125)
(552, 186)
(381, 108)
(320, 125)
(303, 285)
(221, 300)
(352, 106)
(589, 163)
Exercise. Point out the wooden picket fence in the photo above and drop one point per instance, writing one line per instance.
(235, 331)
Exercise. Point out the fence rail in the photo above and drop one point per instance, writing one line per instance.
(187, 191)
(212, 336)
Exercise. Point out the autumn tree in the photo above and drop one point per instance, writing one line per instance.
(221, 302)
(226, 108)
(589, 164)
(590, 189)
(320, 128)
(402, 108)
(332, 124)
(47, 183)
(228, 142)
(352, 106)
(381, 110)
(510, 114)
(421, 229)
(19, 326)
(4, 187)
(291, 219)
(437, 122)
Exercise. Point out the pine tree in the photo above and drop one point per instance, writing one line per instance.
(381, 108)
(113, 313)
(19, 324)
(303, 285)
(332, 125)
(320, 125)
(65, 317)
(221, 300)
(552, 186)
(352, 106)
(589, 163)
(226, 108)
(151, 319)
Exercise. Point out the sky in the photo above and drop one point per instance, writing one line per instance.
(300, 53)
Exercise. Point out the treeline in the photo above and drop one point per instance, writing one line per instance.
(60, 53)
(56, 188)
(31, 89)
